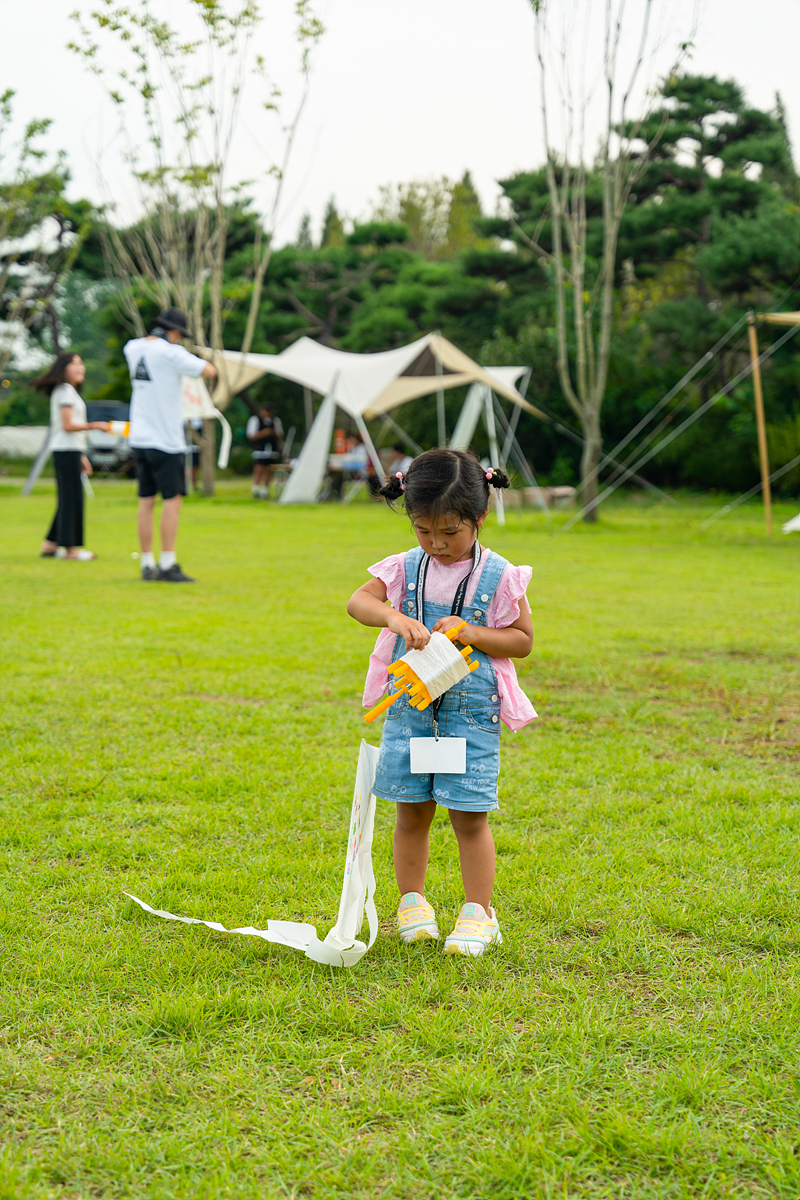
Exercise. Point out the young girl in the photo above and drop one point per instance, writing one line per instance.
(446, 495)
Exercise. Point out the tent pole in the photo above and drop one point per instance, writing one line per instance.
(407, 438)
(763, 456)
(38, 464)
(511, 429)
(440, 421)
(371, 451)
(519, 458)
(488, 397)
(308, 405)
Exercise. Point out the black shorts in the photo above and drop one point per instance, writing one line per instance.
(160, 472)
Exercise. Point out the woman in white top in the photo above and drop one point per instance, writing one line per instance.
(68, 426)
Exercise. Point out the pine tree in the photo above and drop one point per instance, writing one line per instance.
(465, 210)
(305, 241)
(332, 226)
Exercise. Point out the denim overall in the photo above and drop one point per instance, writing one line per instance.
(470, 709)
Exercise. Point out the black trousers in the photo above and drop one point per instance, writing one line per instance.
(67, 526)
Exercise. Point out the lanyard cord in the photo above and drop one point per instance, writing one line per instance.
(455, 611)
(461, 590)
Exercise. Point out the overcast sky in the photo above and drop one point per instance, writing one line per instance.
(402, 89)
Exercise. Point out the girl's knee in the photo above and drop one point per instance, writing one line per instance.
(468, 824)
(416, 816)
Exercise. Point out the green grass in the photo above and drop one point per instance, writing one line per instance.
(638, 1035)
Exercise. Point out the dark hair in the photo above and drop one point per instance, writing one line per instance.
(56, 375)
(445, 481)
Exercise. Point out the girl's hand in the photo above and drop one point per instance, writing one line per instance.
(86, 466)
(415, 633)
(463, 636)
(103, 426)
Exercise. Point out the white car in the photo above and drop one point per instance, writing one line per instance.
(109, 451)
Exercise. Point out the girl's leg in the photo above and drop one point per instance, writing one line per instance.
(69, 519)
(411, 845)
(50, 543)
(476, 852)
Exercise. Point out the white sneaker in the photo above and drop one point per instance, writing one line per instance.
(416, 920)
(475, 931)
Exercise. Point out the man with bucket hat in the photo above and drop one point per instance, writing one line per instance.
(156, 363)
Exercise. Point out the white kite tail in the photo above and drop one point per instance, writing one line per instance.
(341, 947)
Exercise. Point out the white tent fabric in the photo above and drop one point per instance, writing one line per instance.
(368, 384)
(475, 403)
(468, 418)
(364, 386)
(303, 485)
(197, 403)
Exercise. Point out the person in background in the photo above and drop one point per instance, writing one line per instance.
(68, 425)
(265, 434)
(156, 363)
(398, 460)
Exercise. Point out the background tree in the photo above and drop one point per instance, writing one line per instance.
(189, 91)
(332, 226)
(584, 286)
(41, 234)
(440, 215)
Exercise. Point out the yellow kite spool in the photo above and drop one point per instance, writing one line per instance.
(407, 680)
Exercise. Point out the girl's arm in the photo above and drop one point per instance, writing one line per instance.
(368, 605)
(71, 426)
(515, 641)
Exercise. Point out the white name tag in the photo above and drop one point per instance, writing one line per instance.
(439, 756)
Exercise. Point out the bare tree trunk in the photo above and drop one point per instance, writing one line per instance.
(590, 457)
(583, 368)
(207, 453)
(53, 319)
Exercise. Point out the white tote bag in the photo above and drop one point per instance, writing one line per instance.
(341, 947)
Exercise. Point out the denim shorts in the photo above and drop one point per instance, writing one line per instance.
(474, 715)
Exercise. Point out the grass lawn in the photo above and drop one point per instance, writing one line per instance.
(638, 1035)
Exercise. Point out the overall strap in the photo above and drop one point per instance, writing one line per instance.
(455, 611)
(491, 573)
(413, 558)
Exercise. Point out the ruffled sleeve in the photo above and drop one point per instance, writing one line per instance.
(509, 597)
(392, 573)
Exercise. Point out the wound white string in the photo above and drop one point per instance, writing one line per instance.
(440, 665)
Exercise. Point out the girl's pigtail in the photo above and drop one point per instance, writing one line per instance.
(394, 487)
(497, 478)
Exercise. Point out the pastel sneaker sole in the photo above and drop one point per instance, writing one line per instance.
(468, 946)
(423, 933)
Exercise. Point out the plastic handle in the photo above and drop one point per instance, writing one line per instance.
(451, 633)
(385, 703)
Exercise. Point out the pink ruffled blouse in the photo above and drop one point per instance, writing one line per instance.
(441, 582)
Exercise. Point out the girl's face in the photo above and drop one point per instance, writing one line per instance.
(447, 539)
(75, 372)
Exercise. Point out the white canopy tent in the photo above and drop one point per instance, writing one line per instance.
(367, 386)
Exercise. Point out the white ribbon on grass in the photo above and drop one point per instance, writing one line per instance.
(341, 947)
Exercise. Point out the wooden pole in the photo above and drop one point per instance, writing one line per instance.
(763, 456)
